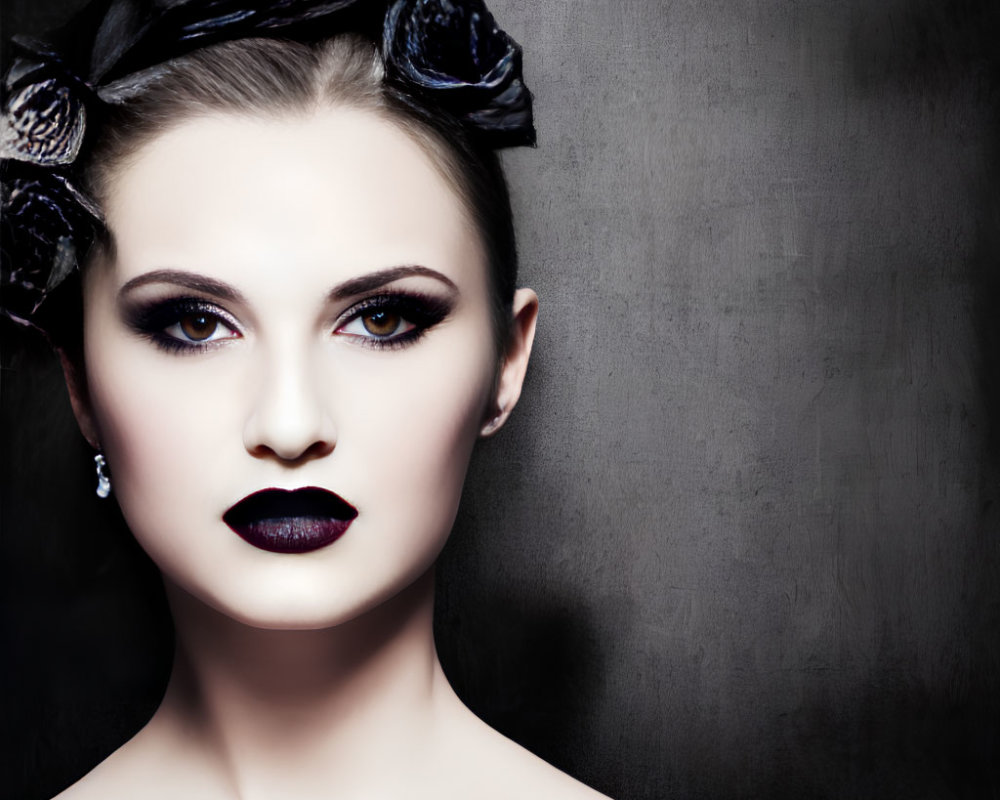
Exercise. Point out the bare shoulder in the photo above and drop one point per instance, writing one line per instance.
(498, 768)
(113, 777)
(530, 776)
(141, 768)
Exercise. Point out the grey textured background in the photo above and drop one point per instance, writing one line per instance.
(755, 447)
(741, 537)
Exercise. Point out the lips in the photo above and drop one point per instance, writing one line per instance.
(298, 521)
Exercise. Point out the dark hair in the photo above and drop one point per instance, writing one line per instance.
(274, 77)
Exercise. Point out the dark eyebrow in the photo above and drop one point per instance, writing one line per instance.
(375, 280)
(189, 280)
(223, 291)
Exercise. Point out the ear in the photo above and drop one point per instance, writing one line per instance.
(79, 397)
(515, 360)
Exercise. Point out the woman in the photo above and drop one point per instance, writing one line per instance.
(299, 316)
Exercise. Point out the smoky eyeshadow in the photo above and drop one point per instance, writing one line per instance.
(422, 310)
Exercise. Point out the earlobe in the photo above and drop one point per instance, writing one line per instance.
(76, 385)
(515, 361)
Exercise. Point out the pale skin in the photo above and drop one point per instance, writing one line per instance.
(307, 675)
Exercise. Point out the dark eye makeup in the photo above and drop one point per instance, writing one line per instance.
(392, 320)
(387, 320)
(182, 324)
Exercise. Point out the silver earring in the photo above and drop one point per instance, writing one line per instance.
(103, 481)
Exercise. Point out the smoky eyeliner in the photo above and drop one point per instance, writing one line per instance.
(151, 320)
(424, 311)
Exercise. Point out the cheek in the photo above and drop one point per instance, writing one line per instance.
(152, 430)
(414, 419)
(147, 405)
(165, 434)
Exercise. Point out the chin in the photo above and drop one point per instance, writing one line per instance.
(296, 603)
(290, 616)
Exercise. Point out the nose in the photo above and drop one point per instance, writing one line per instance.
(289, 419)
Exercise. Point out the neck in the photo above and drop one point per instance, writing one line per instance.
(265, 705)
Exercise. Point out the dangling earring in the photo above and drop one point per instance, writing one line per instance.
(103, 481)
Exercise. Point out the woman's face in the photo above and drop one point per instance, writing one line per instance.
(291, 303)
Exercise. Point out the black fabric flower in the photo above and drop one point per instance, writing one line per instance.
(43, 124)
(455, 54)
(46, 223)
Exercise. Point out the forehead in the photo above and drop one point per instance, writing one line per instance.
(336, 188)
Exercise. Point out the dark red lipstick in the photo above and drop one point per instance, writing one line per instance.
(297, 521)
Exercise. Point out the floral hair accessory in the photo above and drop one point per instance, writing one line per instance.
(45, 220)
(446, 54)
(455, 54)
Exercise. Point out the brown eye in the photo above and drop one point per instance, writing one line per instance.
(198, 327)
(184, 324)
(388, 321)
(380, 323)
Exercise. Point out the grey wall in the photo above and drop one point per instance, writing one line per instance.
(755, 449)
(741, 538)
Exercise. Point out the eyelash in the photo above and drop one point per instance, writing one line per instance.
(153, 321)
(420, 311)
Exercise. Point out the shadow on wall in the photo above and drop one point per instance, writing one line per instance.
(528, 666)
(526, 654)
(934, 47)
(87, 640)
(940, 47)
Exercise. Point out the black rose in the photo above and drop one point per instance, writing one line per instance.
(455, 54)
(46, 226)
